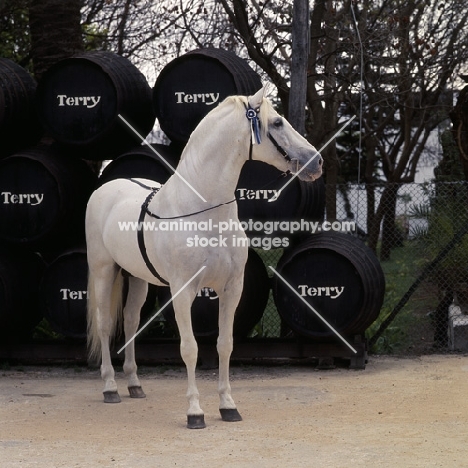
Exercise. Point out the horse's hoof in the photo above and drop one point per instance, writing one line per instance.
(136, 392)
(196, 421)
(111, 397)
(230, 414)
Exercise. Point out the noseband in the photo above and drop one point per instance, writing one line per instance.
(252, 116)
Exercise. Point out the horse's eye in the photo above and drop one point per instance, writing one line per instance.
(278, 123)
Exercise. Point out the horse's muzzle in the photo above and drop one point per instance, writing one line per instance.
(310, 170)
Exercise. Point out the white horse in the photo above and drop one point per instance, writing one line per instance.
(209, 168)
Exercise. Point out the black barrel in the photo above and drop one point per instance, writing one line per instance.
(143, 162)
(205, 307)
(193, 84)
(43, 197)
(20, 274)
(80, 99)
(19, 125)
(339, 276)
(258, 199)
(64, 295)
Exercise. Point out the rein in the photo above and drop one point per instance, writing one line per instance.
(154, 215)
(155, 190)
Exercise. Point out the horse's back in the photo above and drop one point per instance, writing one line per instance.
(117, 194)
(121, 188)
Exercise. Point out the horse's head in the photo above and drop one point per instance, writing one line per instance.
(277, 143)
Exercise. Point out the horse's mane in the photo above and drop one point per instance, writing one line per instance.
(240, 104)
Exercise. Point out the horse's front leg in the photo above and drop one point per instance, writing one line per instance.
(189, 352)
(228, 301)
(137, 291)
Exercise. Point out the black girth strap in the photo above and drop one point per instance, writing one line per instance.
(141, 231)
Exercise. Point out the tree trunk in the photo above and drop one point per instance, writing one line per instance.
(390, 236)
(370, 192)
(330, 119)
(299, 57)
(55, 32)
(374, 226)
(459, 117)
(331, 172)
(386, 212)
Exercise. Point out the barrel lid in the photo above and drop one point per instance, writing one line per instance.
(43, 196)
(25, 183)
(79, 100)
(63, 293)
(336, 274)
(261, 197)
(193, 84)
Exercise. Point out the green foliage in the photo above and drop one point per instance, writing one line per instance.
(95, 38)
(404, 331)
(396, 278)
(390, 341)
(445, 214)
(44, 331)
(15, 37)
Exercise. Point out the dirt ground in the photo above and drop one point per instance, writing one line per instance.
(395, 413)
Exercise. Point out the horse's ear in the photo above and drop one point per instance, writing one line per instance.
(255, 101)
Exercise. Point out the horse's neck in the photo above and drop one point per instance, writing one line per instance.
(212, 171)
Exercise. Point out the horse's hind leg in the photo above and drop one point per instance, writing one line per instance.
(106, 288)
(137, 291)
(228, 301)
(189, 352)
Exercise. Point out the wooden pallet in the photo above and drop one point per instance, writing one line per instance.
(162, 351)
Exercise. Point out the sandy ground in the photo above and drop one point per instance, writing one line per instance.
(395, 413)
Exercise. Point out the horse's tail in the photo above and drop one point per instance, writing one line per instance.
(115, 315)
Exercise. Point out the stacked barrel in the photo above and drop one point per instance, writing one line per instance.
(98, 106)
(45, 185)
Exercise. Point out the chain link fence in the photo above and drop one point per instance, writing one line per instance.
(422, 245)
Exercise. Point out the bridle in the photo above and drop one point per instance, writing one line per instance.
(252, 116)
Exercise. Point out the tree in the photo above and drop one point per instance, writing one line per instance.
(407, 77)
(56, 31)
(391, 62)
